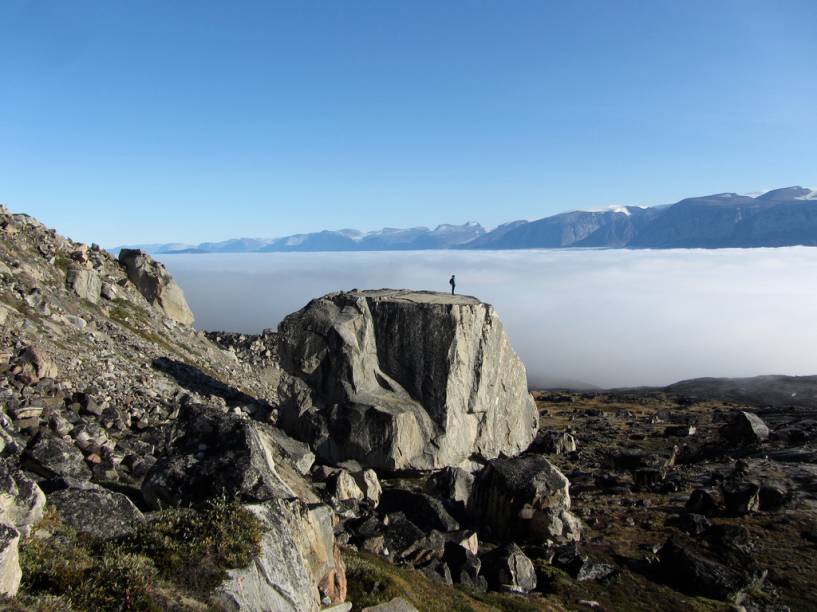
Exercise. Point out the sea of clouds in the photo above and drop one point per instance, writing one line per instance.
(604, 317)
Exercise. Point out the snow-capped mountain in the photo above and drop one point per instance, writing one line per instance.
(780, 217)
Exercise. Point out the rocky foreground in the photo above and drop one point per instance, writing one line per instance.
(379, 451)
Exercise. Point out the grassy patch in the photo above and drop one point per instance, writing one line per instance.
(194, 548)
(180, 550)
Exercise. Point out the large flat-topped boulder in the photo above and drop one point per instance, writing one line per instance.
(403, 380)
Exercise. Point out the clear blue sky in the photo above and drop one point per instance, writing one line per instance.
(157, 121)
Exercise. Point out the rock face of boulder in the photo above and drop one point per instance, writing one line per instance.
(403, 380)
(156, 285)
(526, 498)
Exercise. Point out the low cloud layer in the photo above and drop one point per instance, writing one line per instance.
(609, 318)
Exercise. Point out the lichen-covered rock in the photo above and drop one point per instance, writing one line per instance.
(524, 498)
(52, 456)
(22, 503)
(298, 564)
(10, 572)
(403, 380)
(156, 285)
(214, 453)
(94, 510)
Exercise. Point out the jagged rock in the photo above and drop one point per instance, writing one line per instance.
(398, 604)
(740, 496)
(438, 571)
(298, 555)
(403, 380)
(94, 510)
(157, 286)
(298, 453)
(508, 568)
(342, 486)
(524, 498)
(554, 443)
(465, 566)
(10, 572)
(22, 503)
(568, 558)
(85, 283)
(745, 428)
(35, 364)
(213, 453)
(51, 456)
(400, 535)
(423, 510)
(453, 484)
(369, 483)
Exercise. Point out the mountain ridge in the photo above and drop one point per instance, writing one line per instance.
(780, 217)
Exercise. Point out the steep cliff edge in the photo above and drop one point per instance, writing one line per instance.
(403, 380)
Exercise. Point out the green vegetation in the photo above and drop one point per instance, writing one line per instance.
(183, 551)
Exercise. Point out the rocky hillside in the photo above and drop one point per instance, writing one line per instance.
(379, 451)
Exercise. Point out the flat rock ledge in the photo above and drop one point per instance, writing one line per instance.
(403, 380)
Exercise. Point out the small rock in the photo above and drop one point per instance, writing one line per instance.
(509, 569)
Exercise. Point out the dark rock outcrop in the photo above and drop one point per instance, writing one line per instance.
(213, 453)
(525, 498)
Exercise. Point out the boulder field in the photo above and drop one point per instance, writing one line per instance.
(377, 450)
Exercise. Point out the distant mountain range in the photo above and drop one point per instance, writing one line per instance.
(781, 217)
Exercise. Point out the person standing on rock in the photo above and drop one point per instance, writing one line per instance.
(453, 284)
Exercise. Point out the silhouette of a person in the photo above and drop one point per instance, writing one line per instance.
(453, 284)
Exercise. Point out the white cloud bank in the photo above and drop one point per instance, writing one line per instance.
(607, 317)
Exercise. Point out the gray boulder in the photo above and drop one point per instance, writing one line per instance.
(343, 486)
(10, 572)
(369, 483)
(509, 569)
(213, 453)
(22, 503)
(403, 380)
(52, 456)
(96, 511)
(85, 283)
(453, 484)
(423, 510)
(298, 566)
(524, 498)
(745, 428)
(156, 285)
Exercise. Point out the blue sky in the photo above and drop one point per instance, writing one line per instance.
(157, 121)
